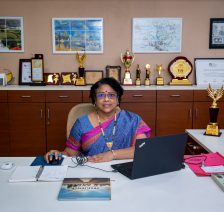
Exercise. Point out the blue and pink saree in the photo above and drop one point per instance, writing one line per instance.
(89, 140)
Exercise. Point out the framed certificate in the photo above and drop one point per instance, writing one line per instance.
(114, 71)
(25, 72)
(209, 70)
(37, 70)
(93, 76)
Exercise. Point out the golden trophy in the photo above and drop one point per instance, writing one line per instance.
(81, 79)
(180, 68)
(127, 59)
(138, 76)
(147, 75)
(159, 79)
(212, 127)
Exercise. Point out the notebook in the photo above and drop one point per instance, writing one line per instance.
(154, 156)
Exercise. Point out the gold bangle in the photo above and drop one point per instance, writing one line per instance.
(113, 153)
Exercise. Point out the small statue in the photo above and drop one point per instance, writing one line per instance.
(215, 95)
(81, 59)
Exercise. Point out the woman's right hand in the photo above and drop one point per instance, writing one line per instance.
(49, 155)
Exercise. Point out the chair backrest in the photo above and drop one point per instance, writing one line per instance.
(75, 112)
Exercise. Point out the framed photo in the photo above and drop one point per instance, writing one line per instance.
(37, 74)
(209, 70)
(93, 76)
(69, 78)
(72, 35)
(52, 78)
(11, 34)
(114, 71)
(156, 35)
(25, 69)
(216, 36)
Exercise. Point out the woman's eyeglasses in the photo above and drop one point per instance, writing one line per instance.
(108, 95)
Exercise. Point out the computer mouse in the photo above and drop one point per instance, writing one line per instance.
(7, 165)
(54, 161)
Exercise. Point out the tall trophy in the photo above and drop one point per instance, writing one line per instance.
(159, 79)
(127, 59)
(81, 79)
(212, 127)
(138, 76)
(147, 74)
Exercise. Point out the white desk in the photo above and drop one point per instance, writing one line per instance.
(209, 143)
(171, 192)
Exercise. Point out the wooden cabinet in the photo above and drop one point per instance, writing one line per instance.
(27, 122)
(4, 125)
(58, 105)
(142, 103)
(174, 111)
(201, 110)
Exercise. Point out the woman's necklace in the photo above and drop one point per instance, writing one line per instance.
(108, 143)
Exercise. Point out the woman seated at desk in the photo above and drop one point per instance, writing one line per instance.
(108, 133)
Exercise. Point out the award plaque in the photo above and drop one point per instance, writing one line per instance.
(138, 76)
(159, 79)
(69, 78)
(81, 79)
(127, 59)
(52, 78)
(147, 75)
(213, 127)
(180, 68)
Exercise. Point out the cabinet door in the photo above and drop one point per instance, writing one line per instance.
(173, 117)
(201, 115)
(147, 111)
(27, 128)
(56, 121)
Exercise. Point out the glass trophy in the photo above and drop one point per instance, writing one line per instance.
(213, 127)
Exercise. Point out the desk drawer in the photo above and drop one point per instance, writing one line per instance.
(26, 96)
(3, 96)
(139, 96)
(174, 96)
(202, 96)
(64, 96)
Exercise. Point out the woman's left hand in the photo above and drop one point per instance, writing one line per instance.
(102, 157)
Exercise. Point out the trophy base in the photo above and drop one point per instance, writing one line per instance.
(127, 81)
(159, 81)
(80, 81)
(212, 130)
(147, 82)
(180, 82)
(138, 82)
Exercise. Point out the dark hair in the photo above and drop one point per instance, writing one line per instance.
(113, 83)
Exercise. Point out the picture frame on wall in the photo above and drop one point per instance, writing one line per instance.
(11, 34)
(25, 69)
(72, 35)
(156, 35)
(114, 71)
(209, 71)
(92, 76)
(216, 35)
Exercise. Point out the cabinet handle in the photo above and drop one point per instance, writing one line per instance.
(190, 113)
(48, 116)
(196, 112)
(137, 95)
(25, 96)
(175, 95)
(63, 96)
(41, 113)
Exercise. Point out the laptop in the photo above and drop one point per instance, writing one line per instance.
(154, 156)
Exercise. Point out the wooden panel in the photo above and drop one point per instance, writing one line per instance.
(3, 96)
(147, 111)
(174, 96)
(56, 122)
(26, 96)
(139, 96)
(64, 96)
(173, 117)
(202, 96)
(4, 130)
(85, 96)
(27, 129)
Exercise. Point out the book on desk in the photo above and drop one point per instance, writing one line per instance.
(85, 189)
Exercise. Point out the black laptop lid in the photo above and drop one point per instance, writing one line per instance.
(158, 155)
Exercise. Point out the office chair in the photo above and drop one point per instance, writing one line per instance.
(75, 112)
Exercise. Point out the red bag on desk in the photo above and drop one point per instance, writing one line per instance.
(196, 161)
